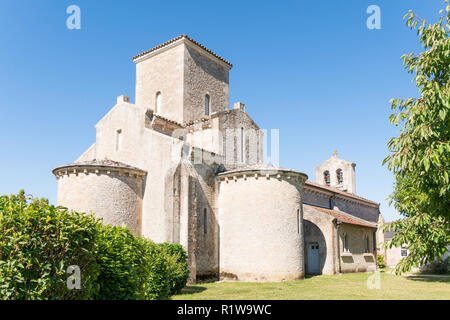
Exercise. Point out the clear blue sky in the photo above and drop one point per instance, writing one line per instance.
(311, 69)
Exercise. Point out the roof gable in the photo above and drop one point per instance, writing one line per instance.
(180, 39)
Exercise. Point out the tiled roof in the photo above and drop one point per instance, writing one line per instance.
(342, 193)
(192, 122)
(345, 217)
(183, 36)
(389, 233)
(168, 120)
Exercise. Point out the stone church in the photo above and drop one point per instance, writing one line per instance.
(179, 165)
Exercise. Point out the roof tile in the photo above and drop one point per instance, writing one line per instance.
(183, 36)
(342, 193)
(345, 217)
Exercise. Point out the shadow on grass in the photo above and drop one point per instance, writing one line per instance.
(191, 290)
(310, 275)
(429, 278)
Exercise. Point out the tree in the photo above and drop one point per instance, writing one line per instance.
(420, 155)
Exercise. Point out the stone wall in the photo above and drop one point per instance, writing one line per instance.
(356, 260)
(113, 194)
(156, 153)
(364, 211)
(319, 228)
(183, 74)
(163, 72)
(203, 76)
(326, 198)
(207, 255)
(261, 229)
(205, 134)
(393, 256)
(224, 133)
(128, 119)
(320, 199)
(160, 158)
(238, 127)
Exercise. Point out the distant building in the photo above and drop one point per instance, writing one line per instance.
(394, 255)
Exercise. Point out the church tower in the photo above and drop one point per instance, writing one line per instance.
(337, 173)
(181, 80)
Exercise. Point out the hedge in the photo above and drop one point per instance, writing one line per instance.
(177, 267)
(38, 242)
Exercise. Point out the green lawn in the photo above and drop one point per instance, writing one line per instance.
(346, 286)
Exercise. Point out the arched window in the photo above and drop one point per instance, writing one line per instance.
(207, 105)
(340, 176)
(158, 104)
(205, 221)
(326, 177)
(118, 139)
(345, 246)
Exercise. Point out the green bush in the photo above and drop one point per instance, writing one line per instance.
(119, 263)
(380, 261)
(437, 267)
(177, 266)
(155, 270)
(38, 242)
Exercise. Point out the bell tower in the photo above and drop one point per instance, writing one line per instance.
(182, 80)
(337, 173)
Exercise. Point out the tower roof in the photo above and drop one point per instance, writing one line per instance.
(180, 38)
(101, 164)
(336, 159)
(262, 168)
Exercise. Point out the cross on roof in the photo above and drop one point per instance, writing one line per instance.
(335, 153)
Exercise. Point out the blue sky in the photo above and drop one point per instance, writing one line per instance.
(311, 69)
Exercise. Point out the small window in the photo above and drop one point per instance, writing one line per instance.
(345, 246)
(326, 177)
(340, 176)
(298, 221)
(118, 139)
(158, 103)
(374, 242)
(207, 105)
(242, 146)
(205, 221)
(404, 252)
(366, 244)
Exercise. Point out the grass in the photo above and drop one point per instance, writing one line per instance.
(351, 286)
